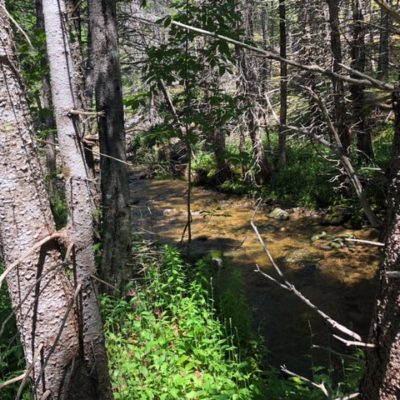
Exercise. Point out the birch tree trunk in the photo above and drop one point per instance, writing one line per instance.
(94, 357)
(114, 173)
(41, 295)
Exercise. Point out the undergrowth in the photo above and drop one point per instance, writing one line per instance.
(166, 342)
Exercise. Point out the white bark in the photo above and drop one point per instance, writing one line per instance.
(78, 198)
(41, 294)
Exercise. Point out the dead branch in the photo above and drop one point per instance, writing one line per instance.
(350, 343)
(291, 288)
(36, 246)
(319, 386)
(13, 380)
(395, 15)
(346, 163)
(276, 57)
(361, 241)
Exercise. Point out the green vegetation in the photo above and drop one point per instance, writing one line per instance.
(166, 341)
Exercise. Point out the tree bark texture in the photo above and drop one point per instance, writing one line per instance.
(114, 174)
(358, 55)
(382, 377)
(41, 295)
(283, 85)
(46, 107)
(339, 107)
(94, 358)
(384, 45)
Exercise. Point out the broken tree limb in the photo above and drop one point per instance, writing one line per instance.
(291, 288)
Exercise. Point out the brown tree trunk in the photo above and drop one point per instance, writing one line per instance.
(382, 376)
(91, 379)
(358, 55)
(223, 171)
(283, 86)
(339, 108)
(384, 44)
(41, 294)
(114, 172)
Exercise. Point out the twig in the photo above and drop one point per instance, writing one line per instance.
(353, 343)
(57, 338)
(291, 288)
(87, 113)
(46, 395)
(379, 244)
(36, 246)
(17, 26)
(349, 397)
(319, 386)
(105, 283)
(13, 380)
(27, 373)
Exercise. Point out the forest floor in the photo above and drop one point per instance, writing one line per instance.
(340, 278)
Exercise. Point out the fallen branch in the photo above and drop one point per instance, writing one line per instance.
(319, 386)
(291, 288)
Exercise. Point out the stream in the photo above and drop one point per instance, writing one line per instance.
(341, 280)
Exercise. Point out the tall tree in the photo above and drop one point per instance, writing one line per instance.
(114, 171)
(358, 56)
(93, 366)
(41, 295)
(283, 84)
(382, 376)
(339, 108)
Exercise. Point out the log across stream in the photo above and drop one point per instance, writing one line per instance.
(340, 278)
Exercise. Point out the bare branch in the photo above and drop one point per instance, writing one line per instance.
(13, 380)
(290, 287)
(274, 56)
(319, 386)
(352, 343)
(395, 15)
(36, 246)
(379, 244)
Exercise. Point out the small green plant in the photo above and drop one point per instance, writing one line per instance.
(167, 343)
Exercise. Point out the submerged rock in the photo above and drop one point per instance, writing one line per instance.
(279, 214)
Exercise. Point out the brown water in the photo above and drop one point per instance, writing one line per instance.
(340, 281)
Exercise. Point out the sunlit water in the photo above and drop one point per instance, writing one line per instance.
(340, 281)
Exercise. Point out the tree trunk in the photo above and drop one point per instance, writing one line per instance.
(283, 85)
(358, 55)
(94, 379)
(114, 171)
(384, 45)
(382, 376)
(46, 108)
(41, 295)
(339, 107)
(223, 171)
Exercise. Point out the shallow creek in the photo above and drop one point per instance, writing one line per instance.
(340, 281)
